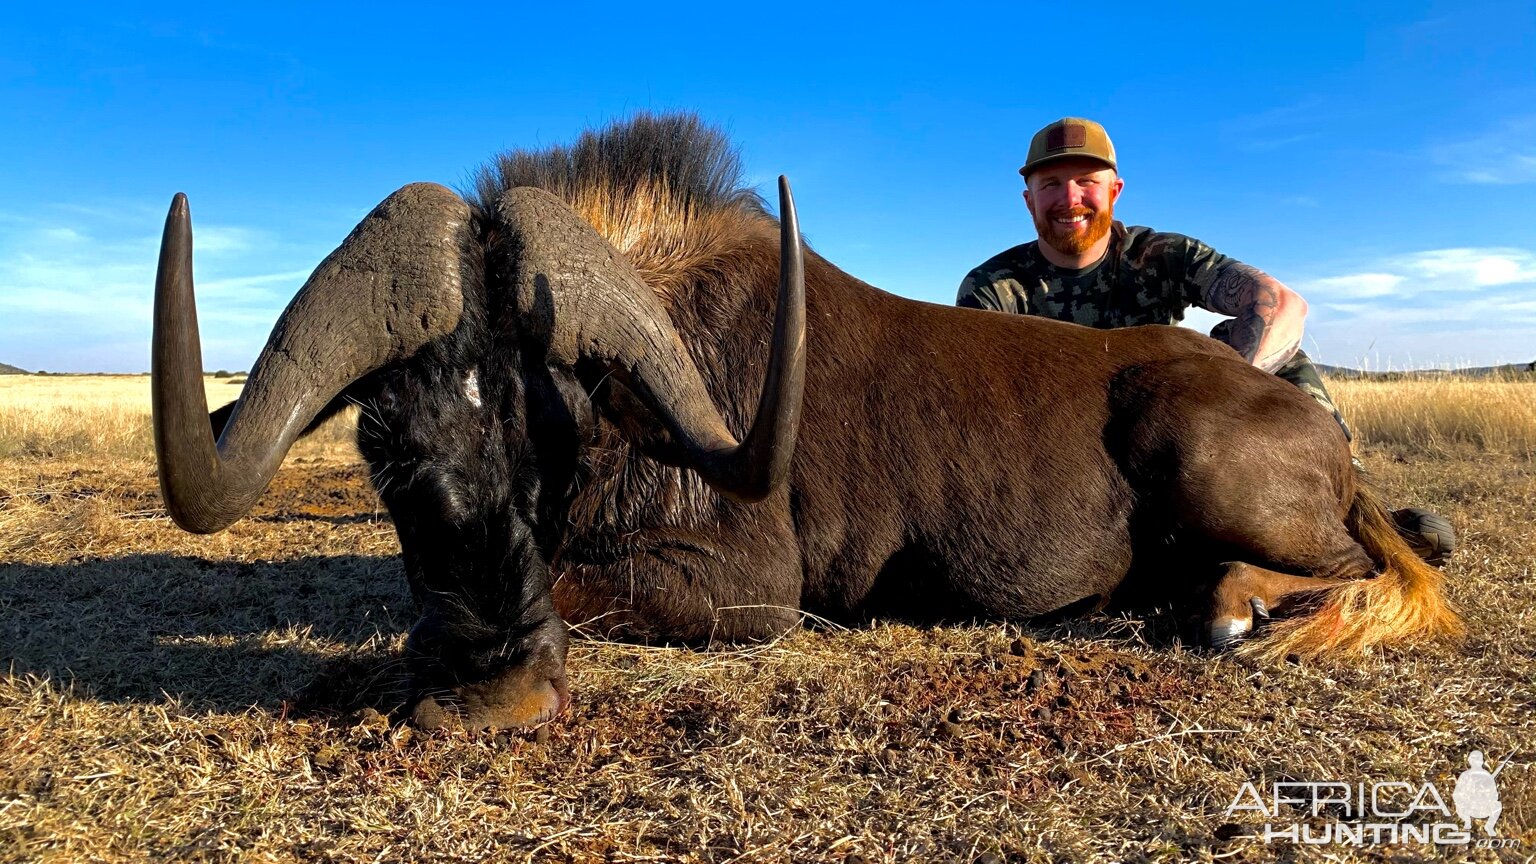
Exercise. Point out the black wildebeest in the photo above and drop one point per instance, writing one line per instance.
(554, 375)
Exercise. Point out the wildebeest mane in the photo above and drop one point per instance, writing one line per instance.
(668, 191)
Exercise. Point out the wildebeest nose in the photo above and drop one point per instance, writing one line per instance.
(515, 698)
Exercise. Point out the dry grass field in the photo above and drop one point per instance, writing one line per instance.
(165, 696)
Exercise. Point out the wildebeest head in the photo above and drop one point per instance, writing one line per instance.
(472, 335)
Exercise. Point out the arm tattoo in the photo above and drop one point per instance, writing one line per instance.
(1253, 298)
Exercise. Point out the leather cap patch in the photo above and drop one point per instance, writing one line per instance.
(1067, 135)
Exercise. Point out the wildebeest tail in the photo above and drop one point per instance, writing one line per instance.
(1404, 603)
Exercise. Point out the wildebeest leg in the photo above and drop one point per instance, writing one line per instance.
(1258, 475)
(1245, 593)
(685, 586)
(1281, 519)
(1273, 498)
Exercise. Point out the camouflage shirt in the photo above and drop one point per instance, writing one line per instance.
(1146, 277)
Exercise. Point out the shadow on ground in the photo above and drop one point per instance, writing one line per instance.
(313, 635)
(217, 635)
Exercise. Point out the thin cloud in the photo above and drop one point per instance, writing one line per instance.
(53, 303)
(1467, 269)
(1353, 285)
(1441, 307)
(289, 279)
(1278, 127)
(223, 240)
(1432, 272)
(128, 213)
(77, 277)
(1279, 142)
(61, 235)
(1502, 311)
(1502, 156)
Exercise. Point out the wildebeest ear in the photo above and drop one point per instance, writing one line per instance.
(218, 418)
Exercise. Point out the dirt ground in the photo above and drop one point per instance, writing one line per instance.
(217, 699)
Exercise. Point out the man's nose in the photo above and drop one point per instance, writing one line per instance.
(1074, 195)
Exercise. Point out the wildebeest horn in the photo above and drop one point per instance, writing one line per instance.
(599, 309)
(390, 288)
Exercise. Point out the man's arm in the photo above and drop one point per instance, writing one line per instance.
(1268, 317)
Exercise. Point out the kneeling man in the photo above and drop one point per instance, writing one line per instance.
(1089, 269)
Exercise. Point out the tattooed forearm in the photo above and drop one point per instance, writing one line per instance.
(1271, 359)
(1267, 316)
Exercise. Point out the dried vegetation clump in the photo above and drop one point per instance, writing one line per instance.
(223, 698)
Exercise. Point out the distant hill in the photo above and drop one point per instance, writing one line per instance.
(1508, 370)
(7, 369)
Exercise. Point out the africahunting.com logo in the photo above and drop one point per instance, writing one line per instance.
(1386, 812)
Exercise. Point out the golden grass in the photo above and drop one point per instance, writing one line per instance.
(165, 696)
(109, 416)
(1442, 413)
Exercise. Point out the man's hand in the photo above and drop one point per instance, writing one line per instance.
(1268, 317)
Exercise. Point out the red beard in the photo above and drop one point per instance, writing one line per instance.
(1067, 238)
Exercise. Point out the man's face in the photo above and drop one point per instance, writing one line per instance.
(1072, 202)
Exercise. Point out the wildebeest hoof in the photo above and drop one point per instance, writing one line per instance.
(428, 715)
(1226, 631)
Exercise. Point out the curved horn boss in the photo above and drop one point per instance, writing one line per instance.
(602, 311)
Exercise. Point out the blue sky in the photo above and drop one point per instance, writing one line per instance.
(1378, 157)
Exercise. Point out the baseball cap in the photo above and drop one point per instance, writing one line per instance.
(1069, 136)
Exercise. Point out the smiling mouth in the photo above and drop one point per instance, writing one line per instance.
(1079, 219)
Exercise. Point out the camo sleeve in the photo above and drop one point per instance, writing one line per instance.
(995, 283)
(984, 288)
(1178, 268)
(1202, 267)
